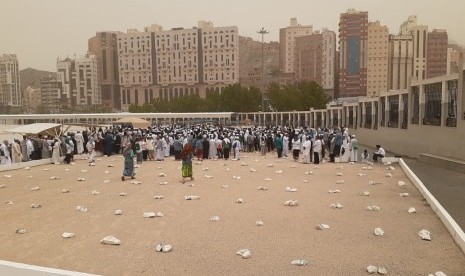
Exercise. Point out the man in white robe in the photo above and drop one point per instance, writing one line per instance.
(5, 158)
(212, 152)
(79, 142)
(285, 145)
(306, 146)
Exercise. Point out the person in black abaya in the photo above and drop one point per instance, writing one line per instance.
(108, 144)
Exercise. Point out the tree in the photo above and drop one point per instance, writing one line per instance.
(236, 98)
(189, 103)
(300, 96)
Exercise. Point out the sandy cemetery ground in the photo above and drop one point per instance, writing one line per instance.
(205, 247)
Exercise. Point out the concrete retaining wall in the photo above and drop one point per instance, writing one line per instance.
(442, 141)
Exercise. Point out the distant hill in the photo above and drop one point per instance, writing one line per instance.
(32, 76)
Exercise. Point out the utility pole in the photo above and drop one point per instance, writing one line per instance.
(263, 32)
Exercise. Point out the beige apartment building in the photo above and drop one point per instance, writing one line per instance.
(31, 99)
(10, 93)
(453, 58)
(51, 89)
(314, 59)
(287, 44)
(80, 81)
(135, 50)
(329, 61)
(419, 35)
(65, 69)
(136, 66)
(377, 59)
(420, 46)
(220, 51)
(400, 61)
(167, 64)
(308, 55)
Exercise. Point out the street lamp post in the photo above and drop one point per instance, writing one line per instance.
(263, 32)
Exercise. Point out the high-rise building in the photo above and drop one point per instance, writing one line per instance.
(80, 81)
(167, 64)
(420, 44)
(377, 53)
(329, 61)
(220, 53)
(419, 35)
(308, 54)
(10, 93)
(287, 44)
(31, 99)
(436, 58)
(400, 61)
(353, 43)
(453, 58)
(314, 59)
(104, 46)
(136, 56)
(336, 76)
(50, 90)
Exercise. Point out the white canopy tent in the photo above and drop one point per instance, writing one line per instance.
(49, 129)
(134, 121)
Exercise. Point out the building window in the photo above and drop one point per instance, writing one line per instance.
(361, 113)
(383, 111)
(393, 111)
(405, 111)
(451, 120)
(415, 105)
(432, 104)
(335, 118)
(368, 115)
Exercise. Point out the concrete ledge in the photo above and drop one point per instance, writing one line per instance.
(48, 161)
(454, 229)
(443, 162)
(22, 165)
(19, 269)
(390, 159)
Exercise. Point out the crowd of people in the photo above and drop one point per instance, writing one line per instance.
(187, 142)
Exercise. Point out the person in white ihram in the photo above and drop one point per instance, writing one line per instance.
(5, 153)
(79, 142)
(306, 150)
(380, 153)
(91, 149)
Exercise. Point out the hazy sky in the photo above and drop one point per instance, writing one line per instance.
(39, 31)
